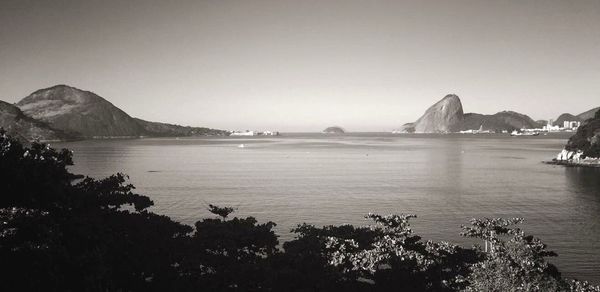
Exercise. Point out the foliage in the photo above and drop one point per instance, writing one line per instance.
(230, 254)
(587, 138)
(221, 211)
(396, 259)
(60, 235)
(516, 264)
(61, 232)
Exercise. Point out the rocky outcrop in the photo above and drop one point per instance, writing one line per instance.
(334, 130)
(587, 138)
(575, 158)
(25, 128)
(583, 148)
(444, 116)
(406, 128)
(569, 155)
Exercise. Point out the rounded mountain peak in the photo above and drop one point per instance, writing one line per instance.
(452, 95)
(62, 93)
(452, 98)
(450, 102)
(79, 111)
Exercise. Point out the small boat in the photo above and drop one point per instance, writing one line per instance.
(241, 146)
(517, 133)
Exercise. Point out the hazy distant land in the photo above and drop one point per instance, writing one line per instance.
(63, 112)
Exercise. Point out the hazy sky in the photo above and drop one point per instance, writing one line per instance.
(304, 65)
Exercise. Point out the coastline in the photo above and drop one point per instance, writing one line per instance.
(568, 163)
(574, 158)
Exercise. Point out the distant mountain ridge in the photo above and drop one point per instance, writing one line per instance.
(84, 114)
(588, 114)
(63, 112)
(579, 118)
(501, 121)
(446, 116)
(565, 117)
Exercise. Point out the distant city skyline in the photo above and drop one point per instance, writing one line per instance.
(306, 65)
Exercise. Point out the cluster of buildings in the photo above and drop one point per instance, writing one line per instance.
(567, 126)
(254, 133)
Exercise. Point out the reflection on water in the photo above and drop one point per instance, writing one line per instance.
(583, 180)
(584, 188)
(444, 179)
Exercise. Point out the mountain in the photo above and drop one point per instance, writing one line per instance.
(580, 117)
(25, 128)
(517, 120)
(89, 115)
(505, 120)
(71, 109)
(334, 130)
(444, 116)
(447, 116)
(566, 117)
(588, 114)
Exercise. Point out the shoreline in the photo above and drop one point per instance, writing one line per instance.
(573, 163)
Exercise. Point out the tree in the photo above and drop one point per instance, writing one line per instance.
(223, 212)
(515, 262)
(57, 234)
(229, 254)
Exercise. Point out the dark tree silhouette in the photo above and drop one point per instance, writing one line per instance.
(62, 232)
(220, 211)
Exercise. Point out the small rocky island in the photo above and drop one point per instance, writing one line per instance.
(334, 130)
(583, 148)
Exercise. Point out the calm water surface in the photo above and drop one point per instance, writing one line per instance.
(318, 179)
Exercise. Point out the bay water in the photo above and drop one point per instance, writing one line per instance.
(335, 179)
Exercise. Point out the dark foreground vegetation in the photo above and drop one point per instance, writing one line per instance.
(62, 233)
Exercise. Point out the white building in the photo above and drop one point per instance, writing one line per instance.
(571, 124)
(254, 133)
(551, 128)
(247, 133)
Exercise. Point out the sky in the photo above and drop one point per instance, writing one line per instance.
(304, 65)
